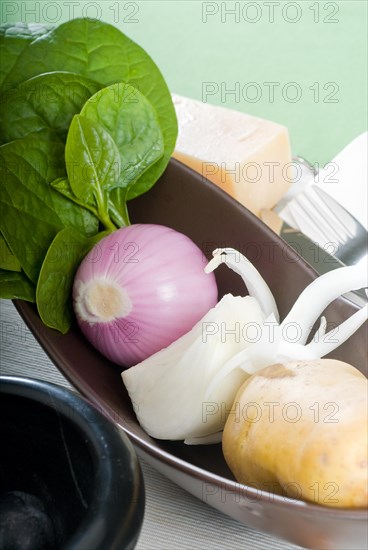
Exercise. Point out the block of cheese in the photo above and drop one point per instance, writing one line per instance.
(246, 156)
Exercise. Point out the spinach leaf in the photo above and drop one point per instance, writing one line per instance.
(132, 122)
(93, 164)
(101, 52)
(14, 39)
(54, 287)
(32, 211)
(14, 285)
(7, 259)
(63, 186)
(47, 101)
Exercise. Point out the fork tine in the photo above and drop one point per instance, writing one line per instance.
(351, 225)
(336, 229)
(318, 219)
(306, 224)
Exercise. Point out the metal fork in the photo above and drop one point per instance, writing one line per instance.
(324, 220)
(343, 235)
(327, 223)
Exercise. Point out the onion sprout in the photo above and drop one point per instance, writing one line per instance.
(256, 285)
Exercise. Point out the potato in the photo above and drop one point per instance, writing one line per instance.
(300, 430)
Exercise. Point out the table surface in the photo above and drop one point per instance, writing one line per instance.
(174, 519)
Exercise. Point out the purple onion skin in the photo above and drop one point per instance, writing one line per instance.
(162, 274)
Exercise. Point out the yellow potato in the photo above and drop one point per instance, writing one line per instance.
(300, 430)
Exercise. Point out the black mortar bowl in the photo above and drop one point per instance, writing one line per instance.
(69, 478)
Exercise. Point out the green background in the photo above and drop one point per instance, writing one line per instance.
(312, 54)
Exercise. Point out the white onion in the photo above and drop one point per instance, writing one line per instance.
(141, 288)
(169, 390)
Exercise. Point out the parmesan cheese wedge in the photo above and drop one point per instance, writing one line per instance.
(247, 157)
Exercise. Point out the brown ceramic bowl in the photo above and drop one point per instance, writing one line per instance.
(183, 200)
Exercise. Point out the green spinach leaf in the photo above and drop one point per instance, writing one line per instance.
(54, 287)
(132, 122)
(99, 51)
(45, 102)
(14, 285)
(32, 211)
(93, 164)
(63, 186)
(7, 259)
(14, 39)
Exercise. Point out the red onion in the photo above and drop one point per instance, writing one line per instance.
(140, 289)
